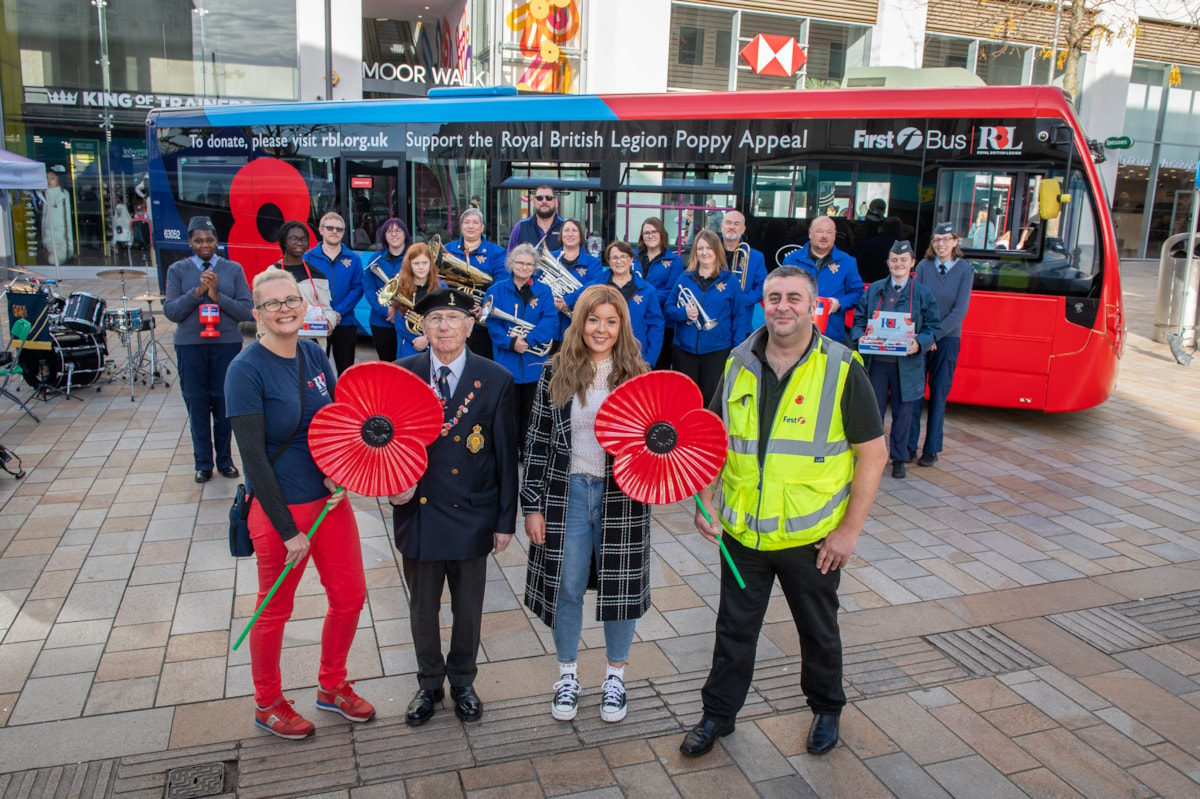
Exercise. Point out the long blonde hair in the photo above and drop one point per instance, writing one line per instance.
(573, 367)
(712, 240)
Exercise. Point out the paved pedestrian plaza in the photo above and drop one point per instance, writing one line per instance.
(1022, 619)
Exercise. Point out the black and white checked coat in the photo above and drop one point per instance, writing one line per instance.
(622, 577)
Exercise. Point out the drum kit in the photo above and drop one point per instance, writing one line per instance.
(67, 347)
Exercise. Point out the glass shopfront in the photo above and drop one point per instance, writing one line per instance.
(1152, 199)
(87, 74)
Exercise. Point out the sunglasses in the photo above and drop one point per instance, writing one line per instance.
(334, 228)
(544, 198)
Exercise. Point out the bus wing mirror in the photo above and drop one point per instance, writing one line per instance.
(1051, 198)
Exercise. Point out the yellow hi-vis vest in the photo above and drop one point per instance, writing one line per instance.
(801, 494)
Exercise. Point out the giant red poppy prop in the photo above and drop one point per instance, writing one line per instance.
(665, 444)
(372, 439)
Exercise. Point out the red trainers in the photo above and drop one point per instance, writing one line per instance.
(280, 719)
(343, 700)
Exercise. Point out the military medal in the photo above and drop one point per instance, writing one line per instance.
(475, 440)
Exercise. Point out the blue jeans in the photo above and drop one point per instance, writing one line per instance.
(582, 538)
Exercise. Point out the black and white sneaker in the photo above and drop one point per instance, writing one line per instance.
(566, 698)
(612, 707)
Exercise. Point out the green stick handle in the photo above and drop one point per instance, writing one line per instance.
(720, 541)
(284, 574)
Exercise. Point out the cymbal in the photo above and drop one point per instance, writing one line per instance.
(120, 274)
(20, 271)
(149, 298)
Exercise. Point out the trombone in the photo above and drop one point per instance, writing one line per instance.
(687, 299)
(740, 264)
(517, 327)
(457, 273)
(390, 295)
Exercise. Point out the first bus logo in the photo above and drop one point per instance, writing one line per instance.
(998, 140)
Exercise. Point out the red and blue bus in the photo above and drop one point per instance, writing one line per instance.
(1045, 327)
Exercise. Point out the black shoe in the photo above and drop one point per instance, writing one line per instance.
(702, 737)
(928, 459)
(467, 706)
(230, 471)
(422, 706)
(203, 475)
(898, 470)
(823, 734)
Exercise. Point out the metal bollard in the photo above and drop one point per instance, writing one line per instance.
(1174, 303)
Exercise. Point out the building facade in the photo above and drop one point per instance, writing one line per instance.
(77, 79)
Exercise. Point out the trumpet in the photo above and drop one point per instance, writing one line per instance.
(517, 327)
(390, 295)
(457, 272)
(687, 299)
(557, 277)
(740, 265)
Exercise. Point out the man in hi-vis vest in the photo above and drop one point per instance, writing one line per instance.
(806, 453)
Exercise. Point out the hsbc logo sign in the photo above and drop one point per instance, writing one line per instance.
(909, 139)
(998, 140)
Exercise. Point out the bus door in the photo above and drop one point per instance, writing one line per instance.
(687, 197)
(577, 189)
(374, 189)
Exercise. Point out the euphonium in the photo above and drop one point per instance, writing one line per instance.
(517, 327)
(458, 273)
(390, 295)
(557, 277)
(687, 299)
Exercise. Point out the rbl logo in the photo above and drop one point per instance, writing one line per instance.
(998, 138)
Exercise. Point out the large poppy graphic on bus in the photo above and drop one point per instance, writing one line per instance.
(545, 27)
(264, 193)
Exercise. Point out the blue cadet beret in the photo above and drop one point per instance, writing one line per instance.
(944, 229)
(200, 223)
(901, 247)
(445, 298)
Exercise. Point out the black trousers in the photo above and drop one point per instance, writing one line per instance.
(526, 395)
(664, 354)
(812, 598)
(705, 370)
(341, 343)
(467, 579)
(384, 339)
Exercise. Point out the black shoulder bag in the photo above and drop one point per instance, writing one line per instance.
(240, 545)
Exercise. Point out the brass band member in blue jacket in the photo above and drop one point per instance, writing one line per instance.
(662, 269)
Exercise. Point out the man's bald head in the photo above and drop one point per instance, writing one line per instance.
(821, 234)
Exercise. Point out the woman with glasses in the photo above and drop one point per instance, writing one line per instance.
(345, 274)
(522, 350)
(418, 276)
(703, 341)
(645, 312)
(584, 266)
(574, 513)
(661, 268)
(320, 318)
(393, 235)
(272, 390)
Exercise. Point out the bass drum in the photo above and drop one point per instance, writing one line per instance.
(78, 356)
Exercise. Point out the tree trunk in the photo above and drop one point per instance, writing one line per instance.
(1077, 24)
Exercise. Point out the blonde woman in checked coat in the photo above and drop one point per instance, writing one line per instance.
(574, 512)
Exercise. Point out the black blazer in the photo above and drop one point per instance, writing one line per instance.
(465, 497)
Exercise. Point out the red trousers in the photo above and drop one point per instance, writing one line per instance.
(337, 554)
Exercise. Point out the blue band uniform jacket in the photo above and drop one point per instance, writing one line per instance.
(622, 577)
(469, 490)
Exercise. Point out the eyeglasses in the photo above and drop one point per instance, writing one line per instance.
(525, 264)
(300, 237)
(620, 256)
(452, 321)
(942, 239)
(292, 303)
(544, 198)
(334, 228)
(392, 230)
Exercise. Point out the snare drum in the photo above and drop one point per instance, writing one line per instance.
(84, 313)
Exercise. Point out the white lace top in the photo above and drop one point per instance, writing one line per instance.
(587, 456)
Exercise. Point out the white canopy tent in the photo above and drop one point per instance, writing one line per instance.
(16, 173)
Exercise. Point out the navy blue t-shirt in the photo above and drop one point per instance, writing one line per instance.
(259, 381)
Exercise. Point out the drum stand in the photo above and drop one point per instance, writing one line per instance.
(148, 357)
(130, 372)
